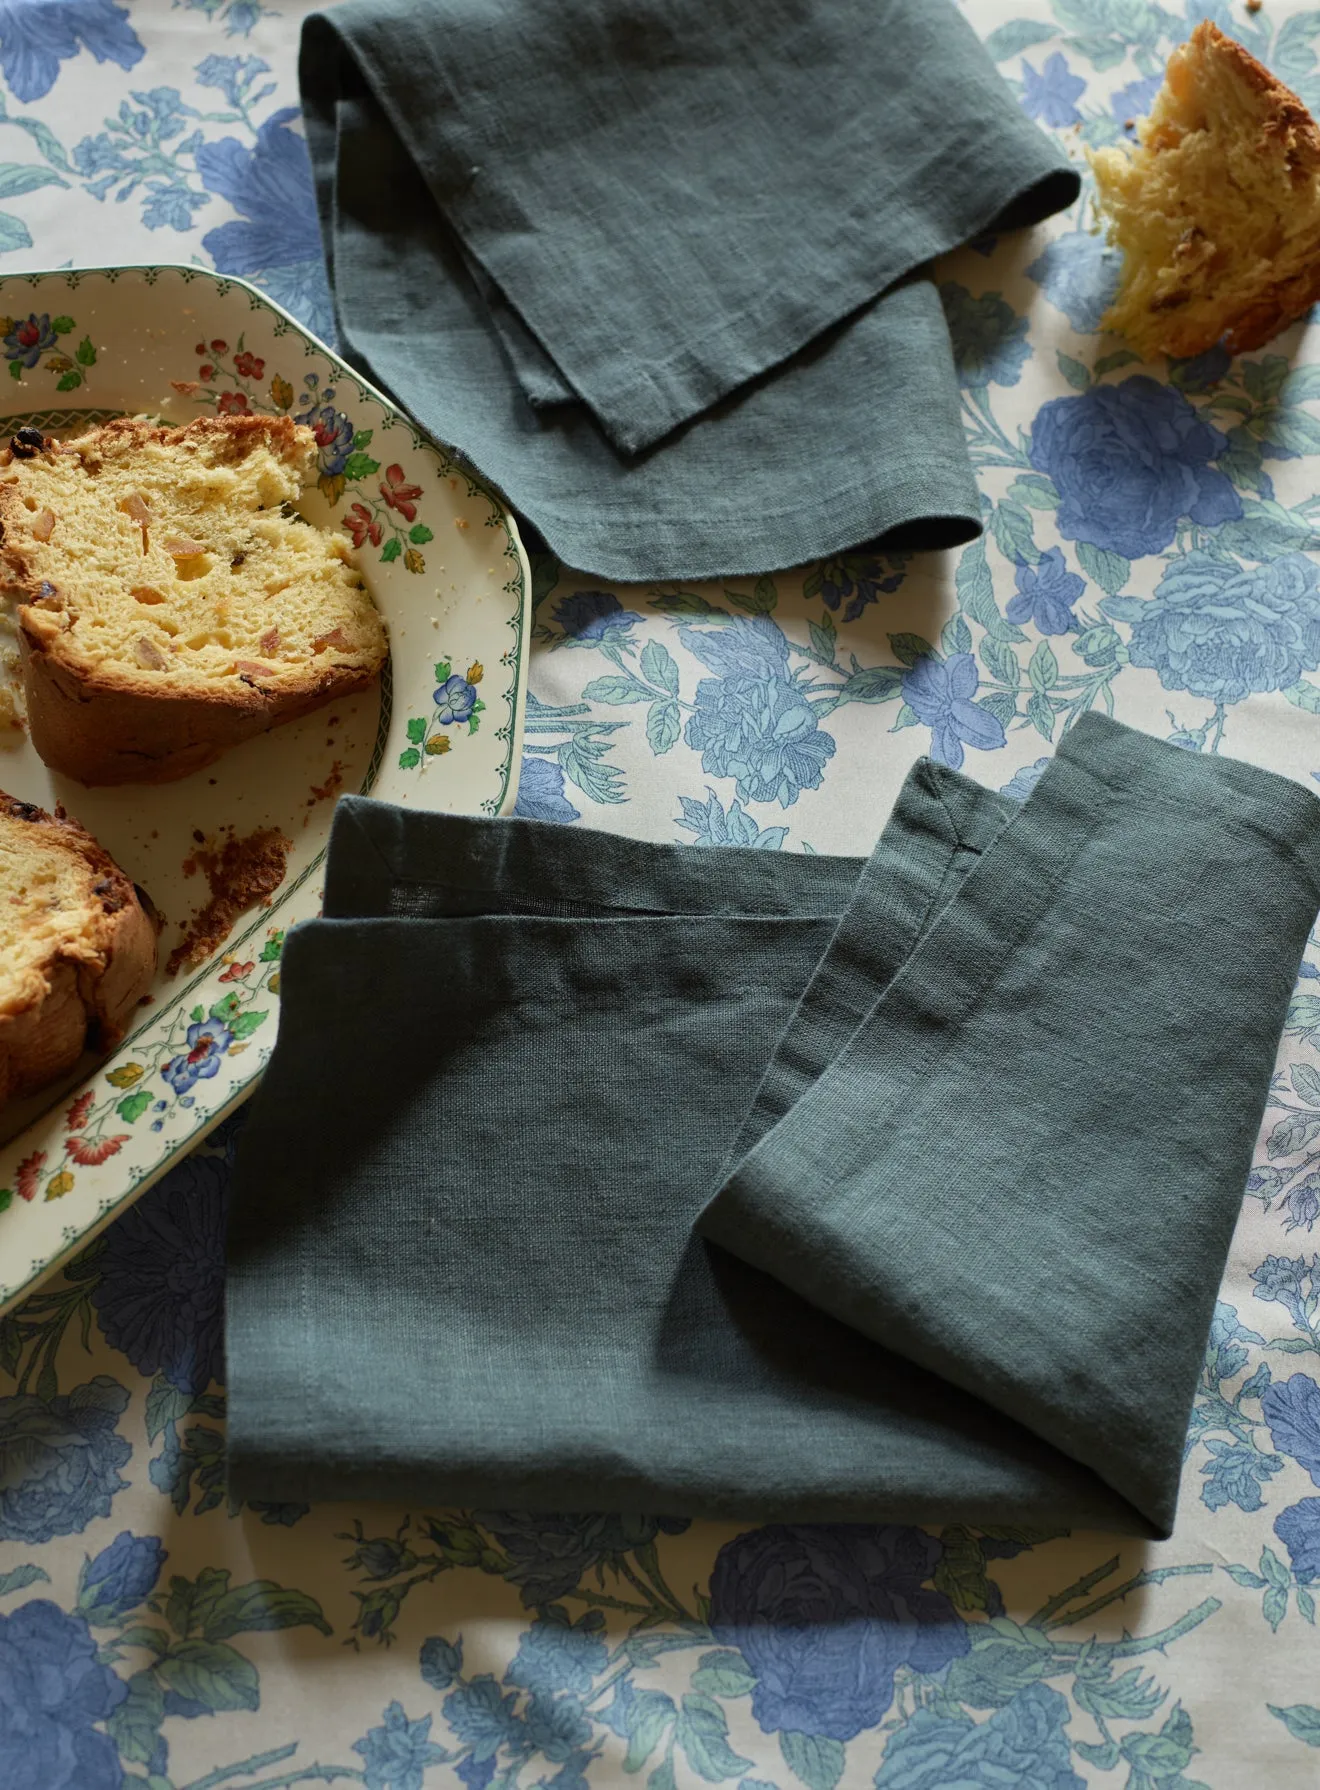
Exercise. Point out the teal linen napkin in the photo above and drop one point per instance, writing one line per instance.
(960, 1261)
(628, 257)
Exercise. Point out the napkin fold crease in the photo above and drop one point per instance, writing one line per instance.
(594, 1174)
(658, 268)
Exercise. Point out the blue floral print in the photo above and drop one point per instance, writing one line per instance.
(121, 1577)
(275, 239)
(53, 1690)
(1279, 1281)
(1052, 94)
(1046, 593)
(1222, 630)
(1129, 462)
(588, 617)
(1134, 100)
(939, 692)
(1078, 274)
(34, 40)
(1023, 1744)
(62, 1458)
(809, 1658)
(989, 338)
(549, 1554)
(825, 1616)
(1292, 1409)
(560, 1656)
(753, 721)
(1298, 1528)
(711, 823)
(160, 1294)
(398, 1752)
(541, 791)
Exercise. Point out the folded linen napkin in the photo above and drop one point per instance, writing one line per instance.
(652, 264)
(976, 1114)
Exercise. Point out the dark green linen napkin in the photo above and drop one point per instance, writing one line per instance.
(516, 1061)
(655, 266)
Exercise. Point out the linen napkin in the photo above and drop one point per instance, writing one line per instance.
(963, 1131)
(654, 265)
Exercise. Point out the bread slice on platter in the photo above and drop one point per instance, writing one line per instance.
(171, 603)
(1216, 207)
(77, 947)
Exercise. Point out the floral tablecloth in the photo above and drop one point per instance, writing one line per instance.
(1150, 548)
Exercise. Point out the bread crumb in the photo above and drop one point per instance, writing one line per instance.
(333, 782)
(1254, 5)
(240, 873)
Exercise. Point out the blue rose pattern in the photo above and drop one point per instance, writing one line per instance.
(1130, 462)
(120, 1577)
(54, 1693)
(1135, 542)
(1022, 1744)
(160, 1295)
(824, 1617)
(1078, 274)
(60, 1459)
(35, 39)
(1223, 631)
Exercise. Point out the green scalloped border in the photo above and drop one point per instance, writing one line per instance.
(450, 461)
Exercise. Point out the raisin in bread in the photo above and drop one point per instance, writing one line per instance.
(1217, 206)
(171, 603)
(77, 947)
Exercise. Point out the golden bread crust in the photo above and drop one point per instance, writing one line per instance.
(1231, 256)
(104, 721)
(91, 974)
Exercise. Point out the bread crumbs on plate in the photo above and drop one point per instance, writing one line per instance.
(239, 872)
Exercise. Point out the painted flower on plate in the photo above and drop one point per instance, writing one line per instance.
(824, 1616)
(207, 1041)
(160, 1296)
(53, 1692)
(334, 438)
(30, 338)
(1129, 462)
(455, 700)
(362, 525)
(399, 494)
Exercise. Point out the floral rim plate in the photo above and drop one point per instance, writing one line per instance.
(444, 563)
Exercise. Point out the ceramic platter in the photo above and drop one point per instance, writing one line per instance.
(444, 563)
